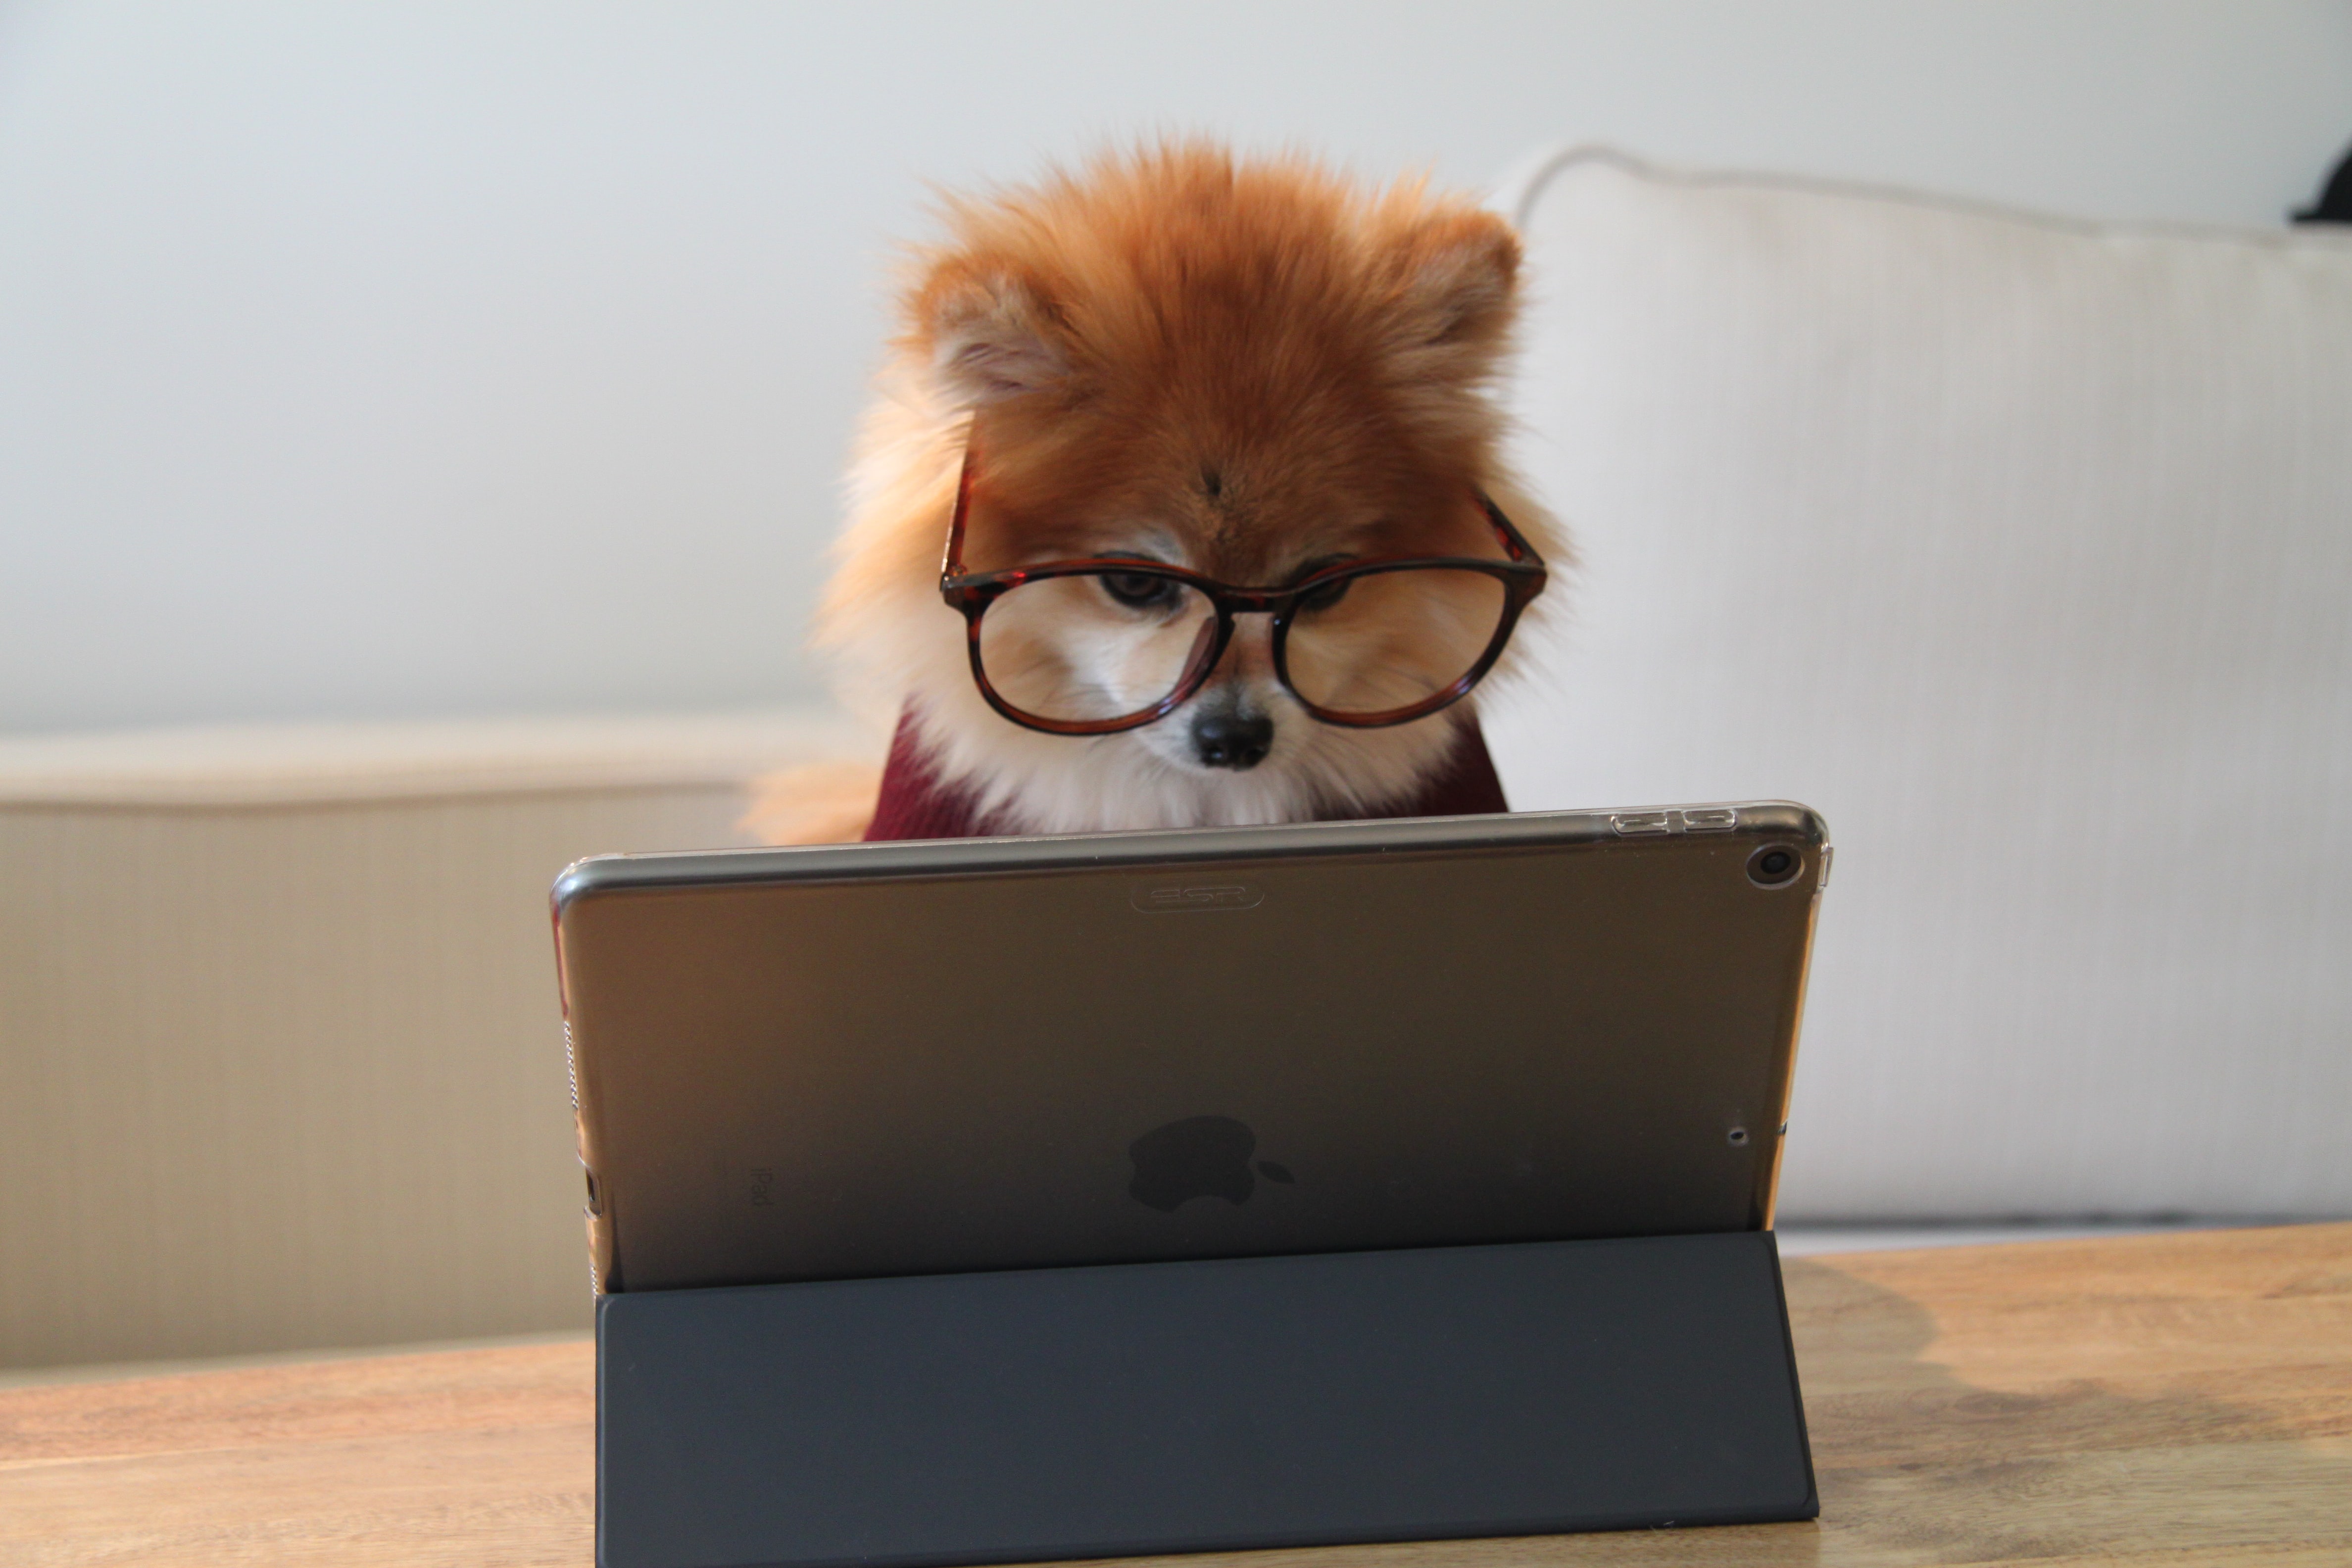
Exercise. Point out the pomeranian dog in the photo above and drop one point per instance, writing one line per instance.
(1182, 503)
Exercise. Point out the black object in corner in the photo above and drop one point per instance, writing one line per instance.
(2335, 204)
(1183, 1407)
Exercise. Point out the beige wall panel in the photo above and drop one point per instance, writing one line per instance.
(276, 1076)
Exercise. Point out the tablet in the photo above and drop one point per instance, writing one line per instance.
(877, 1059)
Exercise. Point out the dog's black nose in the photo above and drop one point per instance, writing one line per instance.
(1228, 740)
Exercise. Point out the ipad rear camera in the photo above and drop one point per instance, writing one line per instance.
(1775, 866)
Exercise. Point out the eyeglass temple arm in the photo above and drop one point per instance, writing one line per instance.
(1515, 543)
(951, 562)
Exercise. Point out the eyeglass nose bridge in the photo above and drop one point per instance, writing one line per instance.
(1215, 637)
(1216, 634)
(1259, 601)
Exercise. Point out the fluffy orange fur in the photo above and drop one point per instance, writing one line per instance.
(1241, 367)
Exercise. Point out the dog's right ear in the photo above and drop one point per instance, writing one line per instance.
(992, 336)
(1459, 270)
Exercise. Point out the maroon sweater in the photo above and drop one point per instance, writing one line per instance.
(915, 804)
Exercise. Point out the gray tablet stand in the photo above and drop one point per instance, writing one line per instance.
(1155, 1407)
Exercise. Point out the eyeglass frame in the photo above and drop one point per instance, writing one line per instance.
(1522, 577)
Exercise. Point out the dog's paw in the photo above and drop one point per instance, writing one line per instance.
(820, 803)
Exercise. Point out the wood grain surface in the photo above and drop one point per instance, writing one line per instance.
(2163, 1400)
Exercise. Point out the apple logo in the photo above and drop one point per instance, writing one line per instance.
(1199, 1157)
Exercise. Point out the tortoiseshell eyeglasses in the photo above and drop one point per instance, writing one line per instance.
(1098, 644)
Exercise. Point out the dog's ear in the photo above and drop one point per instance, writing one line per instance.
(1460, 274)
(991, 335)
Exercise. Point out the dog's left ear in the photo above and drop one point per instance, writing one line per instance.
(993, 335)
(1460, 283)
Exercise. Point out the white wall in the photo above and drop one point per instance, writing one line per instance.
(370, 360)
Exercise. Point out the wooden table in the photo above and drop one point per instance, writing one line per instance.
(2170, 1399)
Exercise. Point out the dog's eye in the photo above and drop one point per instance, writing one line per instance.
(1329, 593)
(1140, 590)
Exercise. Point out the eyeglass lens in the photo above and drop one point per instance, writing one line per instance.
(1087, 648)
(1392, 639)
